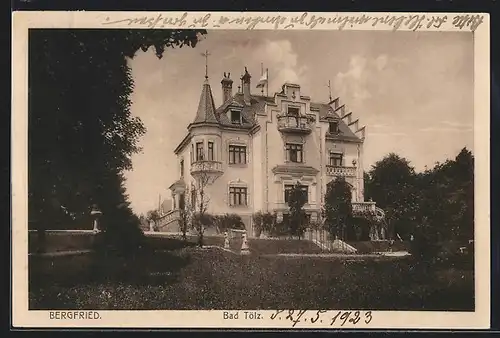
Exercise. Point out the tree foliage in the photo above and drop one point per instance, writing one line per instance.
(81, 130)
(201, 219)
(228, 221)
(186, 211)
(392, 184)
(434, 205)
(337, 210)
(153, 216)
(297, 219)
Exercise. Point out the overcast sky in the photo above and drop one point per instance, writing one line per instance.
(413, 91)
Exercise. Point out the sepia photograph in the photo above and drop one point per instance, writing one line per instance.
(246, 170)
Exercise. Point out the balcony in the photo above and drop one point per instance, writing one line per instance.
(283, 206)
(332, 170)
(363, 207)
(208, 167)
(295, 125)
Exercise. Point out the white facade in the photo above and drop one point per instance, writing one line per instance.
(254, 147)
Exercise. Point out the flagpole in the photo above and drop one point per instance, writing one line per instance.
(262, 73)
(267, 82)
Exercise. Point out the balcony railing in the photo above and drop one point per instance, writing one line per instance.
(206, 166)
(294, 124)
(283, 206)
(340, 171)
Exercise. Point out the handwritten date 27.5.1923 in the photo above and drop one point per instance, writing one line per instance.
(328, 317)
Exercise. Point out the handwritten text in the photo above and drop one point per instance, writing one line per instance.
(394, 22)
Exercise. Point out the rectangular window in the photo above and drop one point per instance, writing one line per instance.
(192, 153)
(182, 168)
(289, 188)
(333, 128)
(210, 151)
(235, 117)
(237, 196)
(294, 152)
(336, 159)
(237, 154)
(199, 151)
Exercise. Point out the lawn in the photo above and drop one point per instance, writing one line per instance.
(210, 278)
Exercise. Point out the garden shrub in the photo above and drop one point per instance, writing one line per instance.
(228, 221)
(257, 220)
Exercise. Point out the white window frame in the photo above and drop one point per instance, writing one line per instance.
(232, 186)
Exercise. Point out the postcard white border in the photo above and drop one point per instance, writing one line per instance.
(22, 21)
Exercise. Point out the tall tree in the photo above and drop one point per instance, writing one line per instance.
(186, 210)
(437, 204)
(201, 219)
(297, 198)
(81, 130)
(337, 210)
(392, 184)
(447, 197)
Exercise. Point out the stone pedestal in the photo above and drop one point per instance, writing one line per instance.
(95, 213)
(226, 240)
(244, 245)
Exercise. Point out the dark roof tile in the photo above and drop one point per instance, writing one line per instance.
(206, 106)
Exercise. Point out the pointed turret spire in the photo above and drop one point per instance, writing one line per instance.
(206, 107)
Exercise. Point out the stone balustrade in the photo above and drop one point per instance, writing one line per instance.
(340, 171)
(206, 166)
(170, 216)
(361, 207)
(300, 124)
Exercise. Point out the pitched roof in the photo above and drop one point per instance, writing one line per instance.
(206, 107)
(325, 110)
(248, 112)
(207, 113)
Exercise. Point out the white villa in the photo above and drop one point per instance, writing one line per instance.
(256, 147)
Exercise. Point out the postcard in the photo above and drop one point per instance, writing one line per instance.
(250, 170)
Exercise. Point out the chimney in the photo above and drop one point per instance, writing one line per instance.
(227, 87)
(246, 86)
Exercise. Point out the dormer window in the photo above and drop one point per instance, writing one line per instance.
(235, 117)
(333, 128)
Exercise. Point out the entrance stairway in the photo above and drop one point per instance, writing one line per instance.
(169, 222)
